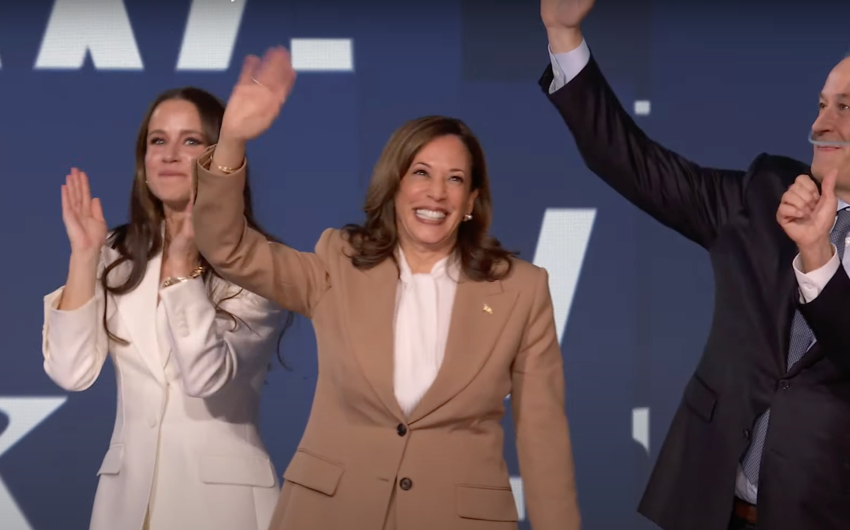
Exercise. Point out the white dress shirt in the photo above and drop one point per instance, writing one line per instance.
(565, 67)
(813, 282)
(422, 317)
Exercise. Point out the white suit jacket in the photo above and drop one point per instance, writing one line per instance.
(186, 437)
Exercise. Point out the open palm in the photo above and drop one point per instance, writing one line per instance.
(82, 215)
(263, 86)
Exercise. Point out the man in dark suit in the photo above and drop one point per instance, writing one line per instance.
(762, 436)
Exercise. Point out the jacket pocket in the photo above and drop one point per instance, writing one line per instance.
(486, 503)
(112, 461)
(314, 472)
(700, 398)
(237, 470)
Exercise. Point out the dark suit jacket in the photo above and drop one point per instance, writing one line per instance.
(805, 472)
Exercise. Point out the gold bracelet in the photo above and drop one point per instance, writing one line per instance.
(197, 271)
(228, 170)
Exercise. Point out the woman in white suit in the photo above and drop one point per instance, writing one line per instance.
(190, 350)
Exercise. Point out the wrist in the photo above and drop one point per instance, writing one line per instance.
(182, 268)
(815, 255)
(229, 153)
(84, 260)
(179, 276)
(563, 39)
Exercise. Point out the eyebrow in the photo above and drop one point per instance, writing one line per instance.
(184, 131)
(429, 167)
(837, 96)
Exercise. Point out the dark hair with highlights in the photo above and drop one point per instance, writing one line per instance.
(141, 239)
(482, 257)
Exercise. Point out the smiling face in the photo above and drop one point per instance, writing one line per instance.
(434, 195)
(174, 141)
(833, 124)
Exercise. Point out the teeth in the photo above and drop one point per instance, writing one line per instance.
(430, 214)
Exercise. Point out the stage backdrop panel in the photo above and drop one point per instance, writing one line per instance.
(632, 299)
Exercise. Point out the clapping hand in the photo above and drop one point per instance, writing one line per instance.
(182, 254)
(82, 215)
(256, 99)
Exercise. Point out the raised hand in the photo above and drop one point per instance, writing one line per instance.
(564, 13)
(256, 99)
(82, 215)
(807, 217)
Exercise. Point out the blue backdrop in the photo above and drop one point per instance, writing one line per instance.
(717, 81)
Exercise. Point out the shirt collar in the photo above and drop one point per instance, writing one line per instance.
(440, 269)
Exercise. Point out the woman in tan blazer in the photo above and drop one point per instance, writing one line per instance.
(424, 324)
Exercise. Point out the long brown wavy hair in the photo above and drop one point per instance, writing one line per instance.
(141, 239)
(482, 257)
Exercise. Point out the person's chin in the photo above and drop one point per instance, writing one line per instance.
(821, 166)
(174, 199)
(431, 238)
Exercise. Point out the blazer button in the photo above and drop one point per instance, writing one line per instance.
(405, 483)
(401, 429)
(784, 384)
(746, 434)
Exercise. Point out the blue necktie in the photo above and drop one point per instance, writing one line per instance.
(802, 338)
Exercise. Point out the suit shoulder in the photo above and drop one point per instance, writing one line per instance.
(523, 273)
(784, 167)
(331, 242)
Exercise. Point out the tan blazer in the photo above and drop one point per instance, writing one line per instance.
(361, 463)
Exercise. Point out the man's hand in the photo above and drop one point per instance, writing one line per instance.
(807, 216)
(562, 19)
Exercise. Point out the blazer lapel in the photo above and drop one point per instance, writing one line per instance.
(788, 297)
(787, 312)
(480, 312)
(370, 301)
(138, 311)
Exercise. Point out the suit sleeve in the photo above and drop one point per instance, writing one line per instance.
(294, 280)
(829, 317)
(74, 343)
(693, 200)
(212, 347)
(542, 432)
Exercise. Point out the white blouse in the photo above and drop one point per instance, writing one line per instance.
(422, 317)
